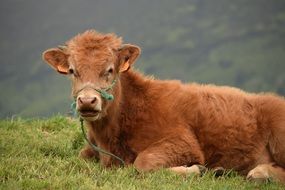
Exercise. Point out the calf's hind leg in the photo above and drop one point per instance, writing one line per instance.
(175, 152)
(273, 117)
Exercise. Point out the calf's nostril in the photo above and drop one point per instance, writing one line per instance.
(93, 100)
(80, 100)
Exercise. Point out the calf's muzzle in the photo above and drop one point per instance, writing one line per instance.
(89, 104)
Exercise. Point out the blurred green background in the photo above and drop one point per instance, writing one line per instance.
(239, 43)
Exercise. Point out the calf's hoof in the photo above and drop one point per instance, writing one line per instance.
(259, 175)
(184, 170)
(219, 171)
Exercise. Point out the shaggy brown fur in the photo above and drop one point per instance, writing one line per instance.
(153, 123)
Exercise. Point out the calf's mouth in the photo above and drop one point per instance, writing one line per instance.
(89, 112)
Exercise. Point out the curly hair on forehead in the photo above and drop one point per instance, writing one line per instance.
(92, 39)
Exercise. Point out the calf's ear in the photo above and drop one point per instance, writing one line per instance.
(57, 59)
(128, 54)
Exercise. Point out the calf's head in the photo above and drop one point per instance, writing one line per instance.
(94, 62)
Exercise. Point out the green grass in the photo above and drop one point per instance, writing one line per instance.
(42, 154)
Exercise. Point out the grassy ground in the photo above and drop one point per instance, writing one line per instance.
(42, 154)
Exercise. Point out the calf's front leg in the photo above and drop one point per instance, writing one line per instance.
(88, 152)
(175, 151)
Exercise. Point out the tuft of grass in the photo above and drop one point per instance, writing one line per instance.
(43, 154)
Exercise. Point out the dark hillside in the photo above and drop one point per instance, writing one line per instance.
(239, 43)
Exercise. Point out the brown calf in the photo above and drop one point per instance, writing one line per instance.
(154, 124)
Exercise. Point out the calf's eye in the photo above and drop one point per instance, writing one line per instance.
(111, 70)
(70, 71)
